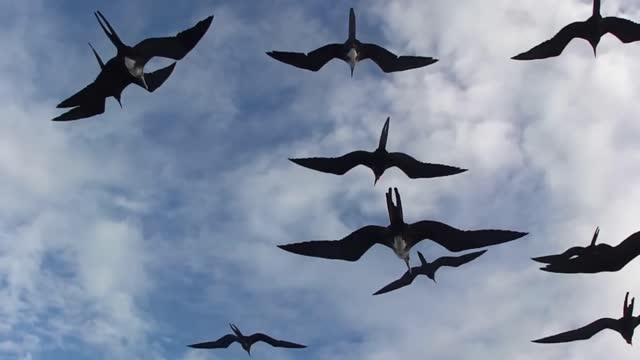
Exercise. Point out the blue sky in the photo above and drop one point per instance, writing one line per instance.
(134, 233)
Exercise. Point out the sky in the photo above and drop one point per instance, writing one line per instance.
(134, 233)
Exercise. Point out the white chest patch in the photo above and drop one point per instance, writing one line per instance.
(129, 63)
(352, 55)
(400, 246)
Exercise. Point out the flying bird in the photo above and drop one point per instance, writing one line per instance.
(90, 101)
(590, 30)
(245, 341)
(128, 67)
(352, 51)
(594, 258)
(378, 161)
(401, 237)
(624, 325)
(429, 269)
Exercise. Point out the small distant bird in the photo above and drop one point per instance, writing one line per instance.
(245, 341)
(401, 237)
(593, 258)
(624, 325)
(128, 67)
(591, 30)
(378, 161)
(352, 51)
(429, 269)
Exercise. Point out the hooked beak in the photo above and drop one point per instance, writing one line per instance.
(351, 66)
(594, 51)
(144, 83)
(119, 102)
(406, 261)
(375, 180)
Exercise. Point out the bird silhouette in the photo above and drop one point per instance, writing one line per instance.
(624, 325)
(594, 258)
(245, 341)
(428, 269)
(90, 101)
(400, 237)
(127, 67)
(351, 51)
(590, 30)
(378, 161)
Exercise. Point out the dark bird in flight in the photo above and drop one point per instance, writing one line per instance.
(378, 161)
(429, 269)
(352, 51)
(591, 30)
(245, 341)
(401, 237)
(624, 325)
(128, 67)
(593, 258)
(91, 100)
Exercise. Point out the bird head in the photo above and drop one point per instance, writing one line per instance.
(406, 261)
(136, 69)
(119, 99)
(377, 176)
(352, 58)
(246, 347)
(594, 44)
(432, 276)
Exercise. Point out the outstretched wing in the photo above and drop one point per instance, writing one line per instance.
(312, 61)
(350, 248)
(455, 261)
(338, 165)
(223, 342)
(83, 111)
(405, 280)
(273, 342)
(390, 62)
(582, 333)
(155, 79)
(418, 170)
(458, 240)
(625, 30)
(173, 47)
(555, 45)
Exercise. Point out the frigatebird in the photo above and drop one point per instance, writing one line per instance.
(378, 161)
(111, 81)
(593, 258)
(351, 52)
(245, 341)
(624, 325)
(429, 269)
(128, 67)
(591, 30)
(401, 237)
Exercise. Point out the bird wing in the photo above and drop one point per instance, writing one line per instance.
(223, 342)
(83, 111)
(390, 62)
(416, 169)
(273, 342)
(89, 94)
(312, 61)
(405, 280)
(349, 248)
(555, 45)
(458, 240)
(156, 78)
(625, 30)
(173, 47)
(338, 165)
(582, 333)
(455, 261)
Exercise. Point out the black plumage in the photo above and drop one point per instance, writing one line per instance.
(625, 326)
(429, 269)
(590, 30)
(378, 161)
(351, 51)
(401, 237)
(245, 341)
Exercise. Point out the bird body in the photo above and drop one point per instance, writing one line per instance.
(245, 341)
(590, 30)
(351, 51)
(400, 237)
(428, 269)
(594, 258)
(625, 326)
(378, 161)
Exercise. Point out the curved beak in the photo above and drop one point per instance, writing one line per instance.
(144, 83)
(119, 102)
(406, 261)
(352, 66)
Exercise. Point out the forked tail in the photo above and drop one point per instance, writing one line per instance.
(352, 25)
